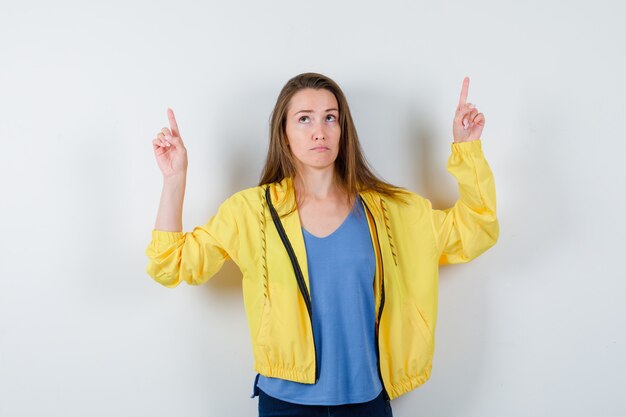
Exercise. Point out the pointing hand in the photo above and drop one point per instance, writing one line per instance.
(468, 123)
(169, 150)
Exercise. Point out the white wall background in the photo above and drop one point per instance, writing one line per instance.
(534, 327)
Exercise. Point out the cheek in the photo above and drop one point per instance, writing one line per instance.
(297, 134)
(293, 134)
(295, 144)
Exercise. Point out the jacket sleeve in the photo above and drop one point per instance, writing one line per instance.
(470, 227)
(197, 255)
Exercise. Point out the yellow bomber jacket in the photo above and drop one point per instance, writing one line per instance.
(410, 241)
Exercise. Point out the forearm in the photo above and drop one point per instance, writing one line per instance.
(170, 214)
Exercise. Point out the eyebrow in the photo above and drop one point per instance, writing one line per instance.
(311, 111)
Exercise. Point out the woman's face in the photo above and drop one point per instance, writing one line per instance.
(313, 129)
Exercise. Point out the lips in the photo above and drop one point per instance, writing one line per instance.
(321, 148)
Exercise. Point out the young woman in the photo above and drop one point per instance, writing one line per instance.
(339, 267)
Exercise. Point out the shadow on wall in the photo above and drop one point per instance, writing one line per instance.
(432, 180)
(242, 148)
(430, 154)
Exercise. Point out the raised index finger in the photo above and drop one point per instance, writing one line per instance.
(173, 124)
(464, 89)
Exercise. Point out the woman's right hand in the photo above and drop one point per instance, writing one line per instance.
(169, 150)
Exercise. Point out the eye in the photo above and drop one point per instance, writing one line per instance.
(303, 117)
(333, 117)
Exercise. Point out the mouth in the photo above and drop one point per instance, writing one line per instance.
(321, 148)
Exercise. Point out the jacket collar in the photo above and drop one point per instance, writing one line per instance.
(283, 195)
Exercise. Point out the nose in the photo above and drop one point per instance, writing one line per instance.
(318, 134)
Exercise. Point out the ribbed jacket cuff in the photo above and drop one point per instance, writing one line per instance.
(163, 236)
(471, 147)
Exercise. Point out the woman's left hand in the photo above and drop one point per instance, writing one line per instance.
(468, 123)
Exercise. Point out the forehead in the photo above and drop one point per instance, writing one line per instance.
(311, 99)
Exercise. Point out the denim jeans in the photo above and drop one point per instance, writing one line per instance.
(274, 407)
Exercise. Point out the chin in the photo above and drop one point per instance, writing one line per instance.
(322, 165)
(318, 164)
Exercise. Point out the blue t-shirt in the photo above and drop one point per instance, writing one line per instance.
(341, 276)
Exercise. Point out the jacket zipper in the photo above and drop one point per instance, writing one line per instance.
(296, 269)
(382, 303)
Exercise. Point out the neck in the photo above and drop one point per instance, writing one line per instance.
(317, 184)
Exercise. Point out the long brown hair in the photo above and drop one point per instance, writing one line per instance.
(352, 171)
